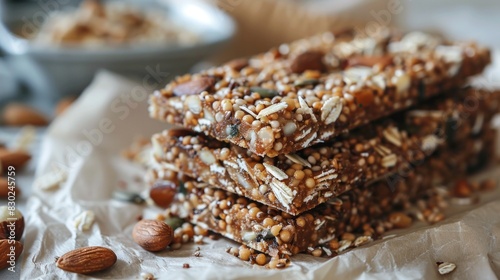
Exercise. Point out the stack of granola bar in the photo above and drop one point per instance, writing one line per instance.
(294, 147)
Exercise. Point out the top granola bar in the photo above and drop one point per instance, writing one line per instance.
(314, 89)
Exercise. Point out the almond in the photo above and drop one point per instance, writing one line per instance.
(15, 158)
(193, 87)
(4, 188)
(11, 223)
(462, 189)
(238, 64)
(6, 255)
(63, 104)
(163, 193)
(369, 61)
(18, 115)
(152, 235)
(309, 60)
(87, 260)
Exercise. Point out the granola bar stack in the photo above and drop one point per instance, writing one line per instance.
(291, 148)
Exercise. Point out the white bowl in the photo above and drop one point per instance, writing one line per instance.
(60, 71)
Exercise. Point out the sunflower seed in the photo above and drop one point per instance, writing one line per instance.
(264, 92)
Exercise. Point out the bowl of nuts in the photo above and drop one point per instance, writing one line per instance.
(57, 50)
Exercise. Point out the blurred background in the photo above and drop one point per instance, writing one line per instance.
(51, 49)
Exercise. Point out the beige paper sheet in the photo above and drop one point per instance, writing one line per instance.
(468, 238)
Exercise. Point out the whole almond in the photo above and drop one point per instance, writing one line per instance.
(18, 115)
(6, 252)
(196, 86)
(238, 64)
(152, 235)
(309, 60)
(163, 193)
(11, 223)
(15, 158)
(87, 260)
(5, 188)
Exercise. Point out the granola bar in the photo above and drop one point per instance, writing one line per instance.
(314, 89)
(277, 233)
(297, 182)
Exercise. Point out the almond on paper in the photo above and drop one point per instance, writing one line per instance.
(152, 235)
(15, 158)
(85, 220)
(87, 260)
(18, 115)
(51, 180)
(5, 189)
(5, 249)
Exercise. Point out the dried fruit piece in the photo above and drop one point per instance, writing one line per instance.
(309, 60)
(194, 87)
(15, 158)
(152, 235)
(163, 193)
(11, 223)
(364, 98)
(18, 115)
(87, 260)
(5, 250)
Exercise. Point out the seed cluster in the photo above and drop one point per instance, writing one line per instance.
(311, 90)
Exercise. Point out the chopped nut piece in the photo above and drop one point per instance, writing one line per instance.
(400, 220)
(85, 220)
(446, 267)
(50, 181)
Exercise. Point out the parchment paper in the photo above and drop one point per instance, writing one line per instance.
(468, 238)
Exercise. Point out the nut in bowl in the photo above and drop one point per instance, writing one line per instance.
(151, 41)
